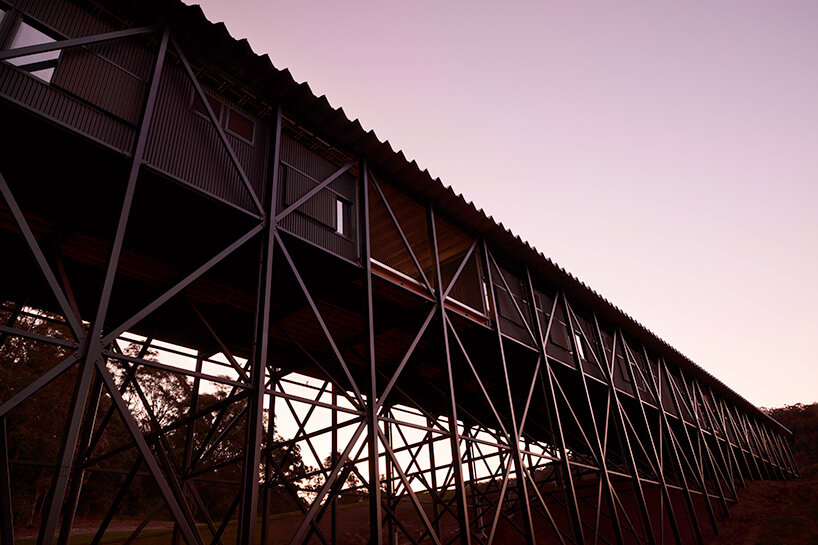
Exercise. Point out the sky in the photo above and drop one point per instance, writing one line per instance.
(665, 153)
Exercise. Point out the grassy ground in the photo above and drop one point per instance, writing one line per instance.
(773, 513)
(768, 513)
(283, 525)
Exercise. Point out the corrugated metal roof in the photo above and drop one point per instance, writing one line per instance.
(211, 44)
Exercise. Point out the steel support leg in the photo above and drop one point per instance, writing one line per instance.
(514, 439)
(93, 348)
(248, 513)
(6, 512)
(375, 507)
(454, 434)
(556, 424)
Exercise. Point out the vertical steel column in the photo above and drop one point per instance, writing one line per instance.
(782, 443)
(187, 455)
(656, 446)
(391, 529)
(268, 453)
(643, 507)
(774, 450)
(714, 469)
(375, 507)
(725, 461)
(728, 419)
(435, 509)
(75, 484)
(248, 513)
(475, 499)
(522, 489)
(454, 434)
(657, 384)
(717, 417)
(334, 458)
(748, 441)
(698, 473)
(6, 511)
(554, 411)
(605, 476)
(93, 347)
(763, 439)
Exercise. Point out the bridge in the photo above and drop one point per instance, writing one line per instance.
(175, 208)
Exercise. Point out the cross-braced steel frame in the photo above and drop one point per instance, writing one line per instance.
(537, 450)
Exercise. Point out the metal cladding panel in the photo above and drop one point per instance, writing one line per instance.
(186, 145)
(91, 77)
(621, 377)
(299, 157)
(106, 76)
(64, 17)
(559, 329)
(511, 323)
(321, 207)
(29, 91)
(237, 60)
(583, 333)
(301, 170)
(469, 286)
(387, 245)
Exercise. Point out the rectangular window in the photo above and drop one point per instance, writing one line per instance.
(229, 119)
(580, 347)
(199, 107)
(341, 221)
(240, 125)
(40, 65)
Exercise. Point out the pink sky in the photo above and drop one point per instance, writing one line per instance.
(664, 153)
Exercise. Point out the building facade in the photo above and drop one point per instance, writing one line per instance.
(174, 207)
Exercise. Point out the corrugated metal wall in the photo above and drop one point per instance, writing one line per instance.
(184, 144)
(510, 321)
(62, 16)
(99, 90)
(301, 170)
(24, 89)
(76, 98)
(116, 88)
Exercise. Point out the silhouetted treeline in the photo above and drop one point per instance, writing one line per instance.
(36, 428)
(803, 421)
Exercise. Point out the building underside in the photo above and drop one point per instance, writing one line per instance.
(174, 208)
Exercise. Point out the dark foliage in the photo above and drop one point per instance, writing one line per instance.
(802, 420)
(156, 398)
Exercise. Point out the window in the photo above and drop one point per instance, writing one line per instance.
(199, 107)
(342, 220)
(580, 347)
(40, 65)
(239, 125)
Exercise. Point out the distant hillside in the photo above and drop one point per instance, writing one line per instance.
(803, 421)
(781, 512)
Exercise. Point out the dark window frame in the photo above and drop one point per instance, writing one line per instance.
(343, 216)
(10, 26)
(252, 122)
(222, 115)
(194, 96)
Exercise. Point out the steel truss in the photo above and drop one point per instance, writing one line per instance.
(560, 456)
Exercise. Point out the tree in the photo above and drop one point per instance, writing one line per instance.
(36, 429)
(802, 420)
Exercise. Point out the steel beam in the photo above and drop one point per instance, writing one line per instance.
(93, 349)
(451, 407)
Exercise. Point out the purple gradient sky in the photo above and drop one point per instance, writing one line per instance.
(664, 153)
